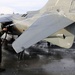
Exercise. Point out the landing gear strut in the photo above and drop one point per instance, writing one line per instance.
(48, 44)
(21, 55)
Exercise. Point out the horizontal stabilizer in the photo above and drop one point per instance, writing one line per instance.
(40, 29)
(62, 38)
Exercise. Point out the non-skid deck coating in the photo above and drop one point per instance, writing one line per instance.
(59, 62)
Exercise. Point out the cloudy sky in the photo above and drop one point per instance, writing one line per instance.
(20, 6)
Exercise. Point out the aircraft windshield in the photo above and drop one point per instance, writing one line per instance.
(72, 7)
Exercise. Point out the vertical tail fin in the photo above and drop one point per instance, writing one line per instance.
(63, 5)
(57, 4)
(49, 5)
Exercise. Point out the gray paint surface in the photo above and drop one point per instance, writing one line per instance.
(40, 29)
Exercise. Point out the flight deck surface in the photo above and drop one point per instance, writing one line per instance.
(57, 62)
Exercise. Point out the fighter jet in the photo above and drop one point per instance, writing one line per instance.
(53, 23)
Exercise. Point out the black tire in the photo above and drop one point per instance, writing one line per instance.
(48, 44)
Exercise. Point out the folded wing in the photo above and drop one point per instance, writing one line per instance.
(44, 26)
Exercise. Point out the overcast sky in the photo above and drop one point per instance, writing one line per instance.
(20, 6)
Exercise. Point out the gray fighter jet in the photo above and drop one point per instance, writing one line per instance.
(53, 23)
